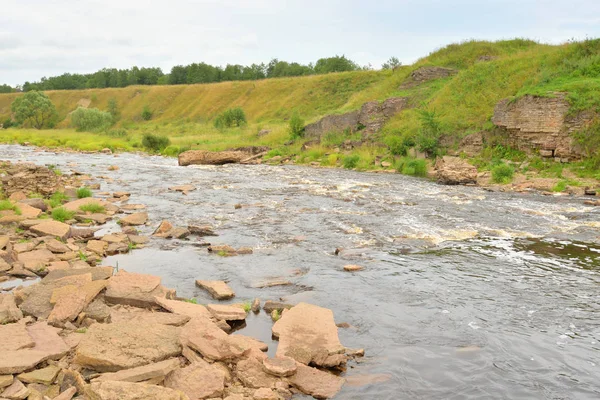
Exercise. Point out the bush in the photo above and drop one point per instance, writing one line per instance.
(91, 119)
(61, 214)
(230, 117)
(147, 113)
(412, 167)
(155, 143)
(430, 132)
(350, 162)
(34, 109)
(113, 109)
(399, 145)
(119, 132)
(83, 192)
(8, 122)
(296, 126)
(502, 173)
(8, 205)
(174, 151)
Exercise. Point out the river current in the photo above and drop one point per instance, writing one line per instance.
(466, 294)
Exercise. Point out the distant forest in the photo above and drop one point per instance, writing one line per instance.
(187, 74)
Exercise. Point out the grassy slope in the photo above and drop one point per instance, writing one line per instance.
(464, 103)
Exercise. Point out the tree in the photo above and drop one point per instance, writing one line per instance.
(392, 64)
(335, 64)
(34, 108)
(6, 89)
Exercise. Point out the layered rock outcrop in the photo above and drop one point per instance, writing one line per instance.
(425, 74)
(29, 178)
(201, 157)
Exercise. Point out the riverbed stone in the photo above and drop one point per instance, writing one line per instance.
(16, 391)
(183, 188)
(138, 290)
(144, 316)
(226, 312)
(122, 345)
(114, 390)
(97, 273)
(157, 370)
(265, 394)
(353, 268)
(9, 312)
(163, 229)
(134, 219)
(44, 376)
(270, 306)
(219, 290)
(5, 380)
(184, 308)
(56, 246)
(71, 300)
(455, 171)
(52, 228)
(250, 371)
(76, 204)
(66, 395)
(97, 246)
(200, 380)
(29, 212)
(316, 383)
(37, 297)
(36, 259)
(310, 330)
(280, 366)
(255, 307)
(209, 340)
(14, 337)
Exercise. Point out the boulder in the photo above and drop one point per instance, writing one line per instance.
(455, 171)
(200, 380)
(219, 290)
(114, 390)
(308, 334)
(201, 157)
(316, 383)
(134, 219)
(209, 340)
(227, 313)
(40, 204)
(122, 345)
(136, 290)
(52, 228)
(157, 370)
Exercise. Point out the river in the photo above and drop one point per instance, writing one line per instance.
(466, 294)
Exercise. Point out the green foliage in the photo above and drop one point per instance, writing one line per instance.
(296, 126)
(230, 117)
(113, 109)
(6, 89)
(173, 151)
(147, 113)
(117, 133)
(193, 300)
(412, 167)
(92, 208)
(247, 306)
(502, 173)
(351, 161)
(399, 145)
(430, 132)
(276, 315)
(91, 119)
(588, 139)
(335, 64)
(61, 214)
(82, 256)
(8, 205)
(83, 192)
(34, 109)
(273, 153)
(155, 143)
(57, 199)
(8, 122)
(561, 186)
(392, 64)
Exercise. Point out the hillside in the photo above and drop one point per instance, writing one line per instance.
(463, 103)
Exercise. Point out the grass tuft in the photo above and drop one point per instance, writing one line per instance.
(61, 214)
(83, 192)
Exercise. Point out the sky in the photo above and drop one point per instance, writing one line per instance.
(49, 37)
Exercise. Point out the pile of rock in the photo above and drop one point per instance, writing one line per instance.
(29, 178)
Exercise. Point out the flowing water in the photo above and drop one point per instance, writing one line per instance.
(466, 294)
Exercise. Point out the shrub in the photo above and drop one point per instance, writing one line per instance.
(91, 119)
(350, 162)
(172, 151)
(8, 205)
(119, 132)
(296, 126)
(560, 186)
(57, 199)
(83, 192)
(155, 143)
(61, 214)
(92, 208)
(147, 113)
(230, 117)
(430, 132)
(502, 173)
(412, 167)
(399, 144)
(113, 109)
(8, 122)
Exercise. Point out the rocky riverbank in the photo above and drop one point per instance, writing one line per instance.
(72, 327)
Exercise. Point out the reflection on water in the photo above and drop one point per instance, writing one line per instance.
(465, 294)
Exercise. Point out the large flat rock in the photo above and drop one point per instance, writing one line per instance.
(121, 345)
(14, 337)
(151, 371)
(227, 313)
(219, 290)
(250, 371)
(76, 204)
(316, 383)
(134, 219)
(52, 228)
(200, 380)
(114, 390)
(144, 316)
(138, 290)
(184, 308)
(98, 273)
(72, 300)
(308, 334)
(208, 339)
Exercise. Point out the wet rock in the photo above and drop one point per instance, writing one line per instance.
(222, 250)
(114, 390)
(310, 330)
(210, 341)
(200, 157)
(115, 238)
(280, 366)
(136, 290)
(455, 171)
(273, 283)
(204, 230)
(16, 391)
(353, 268)
(197, 311)
(116, 346)
(9, 312)
(163, 229)
(134, 219)
(199, 380)
(316, 383)
(219, 290)
(44, 376)
(245, 250)
(52, 228)
(183, 188)
(138, 240)
(151, 371)
(117, 248)
(271, 306)
(255, 307)
(226, 312)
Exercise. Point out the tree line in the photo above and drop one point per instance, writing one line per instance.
(187, 74)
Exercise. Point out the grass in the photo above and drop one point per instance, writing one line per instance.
(276, 315)
(61, 214)
(93, 208)
(412, 167)
(502, 173)
(83, 192)
(56, 199)
(7, 205)
(247, 306)
(193, 300)
(82, 256)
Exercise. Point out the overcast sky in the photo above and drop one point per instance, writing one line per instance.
(46, 38)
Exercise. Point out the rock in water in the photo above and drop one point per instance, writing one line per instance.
(201, 157)
(316, 383)
(308, 334)
(138, 290)
(455, 171)
(219, 290)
